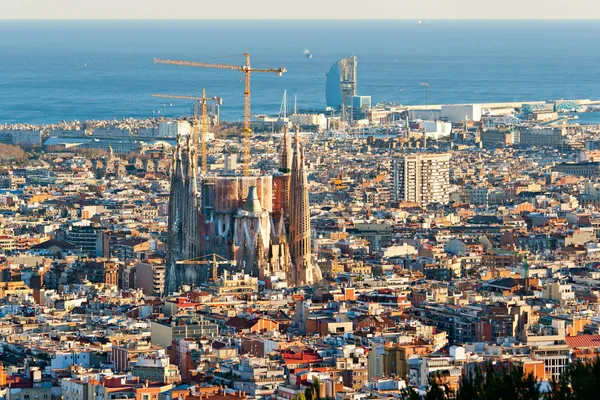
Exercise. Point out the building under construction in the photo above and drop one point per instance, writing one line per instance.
(183, 239)
(261, 223)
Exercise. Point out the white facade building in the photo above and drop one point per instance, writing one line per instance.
(148, 132)
(461, 112)
(64, 359)
(111, 133)
(556, 291)
(28, 138)
(170, 129)
(64, 133)
(21, 137)
(437, 129)
(309, 119)
(422, 178)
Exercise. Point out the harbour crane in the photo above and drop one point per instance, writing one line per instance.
(210, 259)
(202, 101)
(247, 70)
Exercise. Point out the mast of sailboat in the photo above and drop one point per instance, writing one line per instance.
(283, 109)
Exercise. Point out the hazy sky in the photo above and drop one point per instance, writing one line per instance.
(299, 9)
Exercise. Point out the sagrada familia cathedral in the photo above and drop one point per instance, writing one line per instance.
(261, 223)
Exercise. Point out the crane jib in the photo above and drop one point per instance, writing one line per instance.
(247, 70)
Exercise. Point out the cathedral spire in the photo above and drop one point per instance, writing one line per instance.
(184, 215)
(285, 152)
(299, 221)
(296, 155)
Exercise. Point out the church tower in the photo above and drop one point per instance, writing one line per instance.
(285, 152)
(285, 167)
(183, 240)
(299, 222)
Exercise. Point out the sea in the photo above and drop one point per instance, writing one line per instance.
(52, 71)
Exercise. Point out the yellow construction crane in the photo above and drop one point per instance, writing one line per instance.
(211, 259)
(202, 100)
(247, 70)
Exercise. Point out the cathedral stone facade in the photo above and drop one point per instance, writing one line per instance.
(184, 217)
(261, 223)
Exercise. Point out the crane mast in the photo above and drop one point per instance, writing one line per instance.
(204, 118)
(204, 133)
(247, 116)
(247, 70)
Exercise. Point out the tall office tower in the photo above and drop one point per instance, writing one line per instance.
(341, 84)
(184, 217)
(304, 271)
(422, 178)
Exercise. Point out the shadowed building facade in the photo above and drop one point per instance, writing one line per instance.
(305, 270)
(184, 217)
(261, 223)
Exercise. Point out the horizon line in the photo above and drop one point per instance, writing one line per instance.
(302, 19)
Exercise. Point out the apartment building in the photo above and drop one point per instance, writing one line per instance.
(422, 178)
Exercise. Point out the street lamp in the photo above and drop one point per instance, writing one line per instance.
(426, 87)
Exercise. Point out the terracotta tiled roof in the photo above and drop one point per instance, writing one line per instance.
(302, 357)
(583, 341)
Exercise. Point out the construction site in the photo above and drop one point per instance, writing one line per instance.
(257, 225)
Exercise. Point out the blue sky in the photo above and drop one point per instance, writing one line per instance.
(299, 9)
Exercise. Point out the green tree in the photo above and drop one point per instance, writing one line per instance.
(471, 385)
(436, 391)
(489, 383)
(308, 393)
(409, 394)
(316, 389)
(299, 396)
(579, 381)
